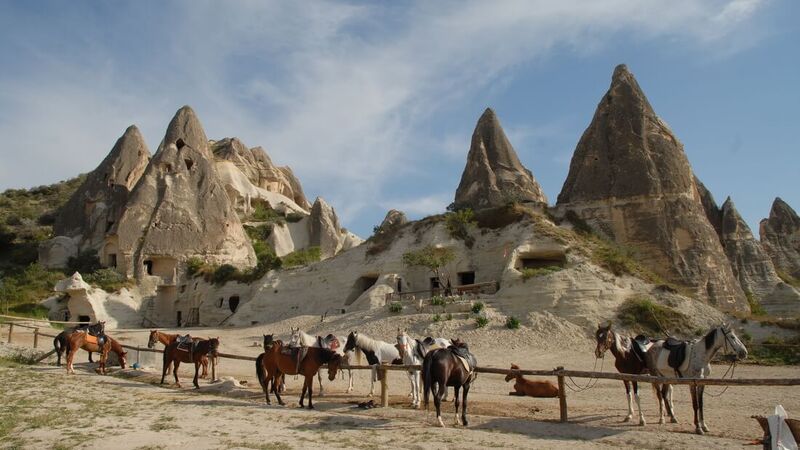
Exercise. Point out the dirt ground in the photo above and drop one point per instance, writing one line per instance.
(224, 415)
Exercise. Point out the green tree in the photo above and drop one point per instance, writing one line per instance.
(432, 258)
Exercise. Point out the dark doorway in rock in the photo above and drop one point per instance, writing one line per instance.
(179, 143)
(178, 318)
(536, 260)
(84, 319)
(233, 303)
(435, 284)
(148, 266)
(465, 278)
(361, 285)
(189, 163)
(112, 260)
(399, 285)
(109, 225)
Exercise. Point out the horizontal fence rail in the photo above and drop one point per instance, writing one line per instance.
(560, 373)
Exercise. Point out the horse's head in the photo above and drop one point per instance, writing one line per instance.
(605, 339)
(294, 339)
(268, 341)
(151, 342)
(332, 342)
(123, 359)
(333, 366)
(213, 346)
(511, 376)
(403, 342)
(732, 341)
(351, 341)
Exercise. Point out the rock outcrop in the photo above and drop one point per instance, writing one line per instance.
(326, 232)
(631, 180)
(780, 236)
(713, 213)
(98, 203)
(257, 166)
(179, 209)
(393, 219)
(494, 175)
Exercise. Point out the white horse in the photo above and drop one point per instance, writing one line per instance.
(300, 338)
(695, 364)
(413, 351)
(377, 352)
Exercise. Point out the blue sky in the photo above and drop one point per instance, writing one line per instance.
(373, 104)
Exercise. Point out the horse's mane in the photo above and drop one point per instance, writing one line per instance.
(369, 344)
(711, 337)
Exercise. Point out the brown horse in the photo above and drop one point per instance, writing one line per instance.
(82, 340)
(443, 367)
(174, 355)
(530, 388)
(61, 346)
(274, 364)
(166, 339)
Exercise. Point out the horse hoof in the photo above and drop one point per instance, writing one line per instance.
(699, 431)
(628, 419)
(661, 421)
(705, 428)
(441, 424)
(642, 423)
(310, 407)
(673, 420)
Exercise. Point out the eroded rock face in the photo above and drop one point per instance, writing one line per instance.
(325, 229)
(780, 237)
(393, 219)
(494, 175)
(259, 169)
(631, 180)
(98, 203)
(180, 208)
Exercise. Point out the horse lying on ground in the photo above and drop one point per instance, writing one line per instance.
(176, 353)
(300, 338)
(101, 344)
(628, 358)
(530, 388)
(60, 341)
(453, 366)
(274, 364)
(690, 359)
(377, 352)
(166, 339)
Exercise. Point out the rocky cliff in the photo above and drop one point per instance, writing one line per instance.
(780, 236)
(630, 179)
(494, 176)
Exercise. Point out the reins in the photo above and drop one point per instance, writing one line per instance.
(731, 366)
(592, 380)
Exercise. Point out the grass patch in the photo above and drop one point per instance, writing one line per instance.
(788, 278)
(532, 272)
(644, 315)
(303, 257)
(395, 307)
(481, 322)
(458, 224)
(512, 323)
(382, 238)
(437, 300)
(477, 307)
(776, 351)
(164, 423)
(437, 318)
(755, 306)
(108, 280)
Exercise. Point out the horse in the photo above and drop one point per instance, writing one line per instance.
(377, 352)
(452, 366)
(626, 360)
(174, 354)
(530, 388)
(274, 364)
(166, 339)
(690, 359)
(300, 338)
(413, 351)
(60, 341)
(101, 344)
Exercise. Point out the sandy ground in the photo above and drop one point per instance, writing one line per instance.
(222, 415)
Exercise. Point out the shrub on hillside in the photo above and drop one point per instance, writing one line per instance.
(531, 272)
(107, 279)
(645, 315)
(86, 262)
(477, 307)
(481, 322)
(223, 274)
(302, 257)
(512, 323)
(458, 223)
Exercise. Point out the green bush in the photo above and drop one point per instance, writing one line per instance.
(223, 274)
(449, 316)
(531, 272)
(263, 212)
(481, 322)
(643, 314)
(300, 258)
(788, 279)
(437, 300)
(755, 306)
(294, 217)
(437, 318)
(578, 224)
(777, 351)
(512, 323)
(33, 310)
(458, 223)
(193, 265)
(86, 262)
(395, 307)
(477, 307)
(107, 279)
(617, 260)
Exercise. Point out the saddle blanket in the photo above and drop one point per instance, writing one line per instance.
(464, 362)
(91, 339)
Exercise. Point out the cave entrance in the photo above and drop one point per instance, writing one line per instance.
(465, 278)
(361, 285)
(233, 303)
(539, 259)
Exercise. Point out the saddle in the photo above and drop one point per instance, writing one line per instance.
(467, 359)
(185, 343)
(639, 346)
(677, 353)
(99, 340)
(296, 353)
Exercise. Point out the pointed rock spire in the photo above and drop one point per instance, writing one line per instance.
(713, 213)
(493, 175)
(325, 229)
(186, 127)
(630, 178)
(780, 236)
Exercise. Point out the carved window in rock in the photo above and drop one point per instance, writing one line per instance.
(465, 278)
(148, 266)
(189, 163)
(233, 303)
(221, 302)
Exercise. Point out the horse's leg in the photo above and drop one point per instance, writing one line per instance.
(350, 380)
(104, 358)
(196, 373)
(464, 405)
(630, 400)
(693, 392)
(374, 371)
(456, 403)
(700, 390)
(90, 356)
(165, 366)
(276, 390)
(660, 396)
(670, 405)
(175, 364)
(310, 381)
(415, 388)
(638, 403)
(319, 379)
(303, 391)
(437, 400)
(204, 362)
(70, 356)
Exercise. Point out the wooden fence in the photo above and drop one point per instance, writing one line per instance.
(560, 373)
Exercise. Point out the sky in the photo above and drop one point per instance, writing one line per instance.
(373, 104)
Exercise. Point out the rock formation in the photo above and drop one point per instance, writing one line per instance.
(631, 180)
(99, 201)
(713, 213)
(179, 209)
(494, 175)
(393, 219)
(780, 236)
(257, 166)
(326, 233)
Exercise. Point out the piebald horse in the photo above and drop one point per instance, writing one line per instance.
(377, 352)
(413, 351)
(698, 355)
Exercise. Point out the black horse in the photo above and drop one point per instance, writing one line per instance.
(60, 344)
(452, 366)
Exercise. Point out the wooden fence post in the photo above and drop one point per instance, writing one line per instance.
(213, 369)
(562, 395)
(138, 352)
(384, 387)
(35, 338)
(10, 331)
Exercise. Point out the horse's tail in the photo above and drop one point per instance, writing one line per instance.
(427, 380)
(261, 373)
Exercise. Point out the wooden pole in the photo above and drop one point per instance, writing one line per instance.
(213, 369)
(35, 338)
(562, 396)
(10, 331)
(384, 387)
(137, 356)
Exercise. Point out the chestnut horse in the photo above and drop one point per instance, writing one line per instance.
(274, 364)
(60, 341)
(530, 388)
(166, 339)
(83, 340)
(443, 367)
(175, 355)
